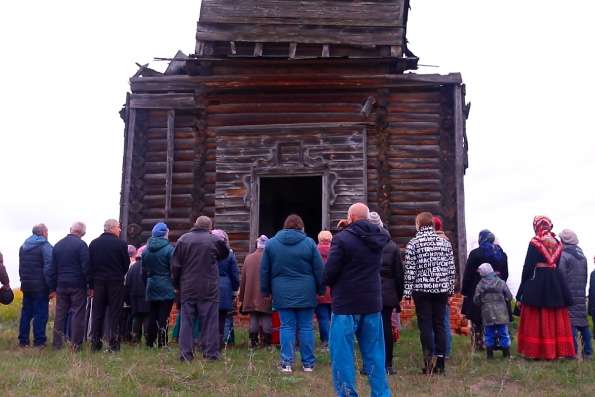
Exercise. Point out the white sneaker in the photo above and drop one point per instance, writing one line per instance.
(308, 369)
(286, 369)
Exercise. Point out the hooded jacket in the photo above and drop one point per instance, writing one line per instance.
(573, 267)
(155, 264)
(70, 264)
(429, 264)
(492, 295)
(35, 260)
(194, 265)
(353, 269)
(291, 270)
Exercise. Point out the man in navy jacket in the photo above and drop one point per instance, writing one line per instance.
(353, 273)
(69, 277)
(35, 258)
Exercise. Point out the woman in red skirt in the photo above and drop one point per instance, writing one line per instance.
(544, 331)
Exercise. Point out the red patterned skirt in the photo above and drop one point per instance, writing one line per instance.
(545, 334)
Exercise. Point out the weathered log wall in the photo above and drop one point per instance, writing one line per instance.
(394, 146)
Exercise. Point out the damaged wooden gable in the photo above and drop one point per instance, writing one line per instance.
(313, 28)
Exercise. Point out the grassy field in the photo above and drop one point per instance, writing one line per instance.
(138, 371)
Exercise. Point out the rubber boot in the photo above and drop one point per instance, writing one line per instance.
(490, 353)
(253, 340)
(506, 352)
(440, 366)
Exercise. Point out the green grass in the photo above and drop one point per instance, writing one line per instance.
(137, 371)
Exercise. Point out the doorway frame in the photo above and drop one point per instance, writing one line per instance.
(286, 173)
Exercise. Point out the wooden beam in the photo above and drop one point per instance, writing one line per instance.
(189, 83)
(171, 120)
(129, 136)
(163, 101)
(459, 177)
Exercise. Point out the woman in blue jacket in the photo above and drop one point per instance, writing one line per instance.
(229, 283)
(291, 270)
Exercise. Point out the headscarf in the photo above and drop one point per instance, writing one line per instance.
(437, 223)
(491, 250)
(545, 240)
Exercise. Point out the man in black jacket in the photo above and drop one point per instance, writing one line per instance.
(109, 264)
(196, 276)
(353, 273)
(69, 277)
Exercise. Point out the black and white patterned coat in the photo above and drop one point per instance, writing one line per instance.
(429, 264)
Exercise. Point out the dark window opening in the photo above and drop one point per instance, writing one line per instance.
(280, 197)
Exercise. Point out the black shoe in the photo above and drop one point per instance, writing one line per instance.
(489, 353)
(440, 366)
(506, 352)
(391, 371)
(428, 369)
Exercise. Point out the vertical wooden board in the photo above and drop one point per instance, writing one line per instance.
(130, 132)
(171, 117)
(459, 121)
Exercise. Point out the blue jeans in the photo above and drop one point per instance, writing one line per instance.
(35, 307)
(586, 334)
(300, 319)
(489, 335)
(367, 328)
(323, 315)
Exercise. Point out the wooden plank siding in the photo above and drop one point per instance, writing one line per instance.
(373, 24)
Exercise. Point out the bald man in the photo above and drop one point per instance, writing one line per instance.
(353, 273)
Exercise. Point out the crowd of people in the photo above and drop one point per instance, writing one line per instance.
(351, 282)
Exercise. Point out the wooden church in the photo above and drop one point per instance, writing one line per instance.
(294, 107)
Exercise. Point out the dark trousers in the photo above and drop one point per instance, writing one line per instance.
(107, 304)
(36, 308)
(140, 326)
(207, 314)
(387, 329)
(158, 322)
(72, 300)
(430, 319)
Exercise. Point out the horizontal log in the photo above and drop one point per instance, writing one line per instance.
(179, 178)
(163, 101)
(404, 173)
(427, 185)
(415, 117)
(179, 133)
(156, 167)
(159, 145)
(405, 197)
(254, 108)
(218, 120)
(178, 200)
(318, 81)
(306, 12)
(313, 34)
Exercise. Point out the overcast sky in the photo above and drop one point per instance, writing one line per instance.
(528, 66)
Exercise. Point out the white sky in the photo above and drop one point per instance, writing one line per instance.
(528, 66)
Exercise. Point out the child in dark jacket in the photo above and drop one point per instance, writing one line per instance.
(493, 295)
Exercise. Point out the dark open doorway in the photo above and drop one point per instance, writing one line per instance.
(280, 197)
